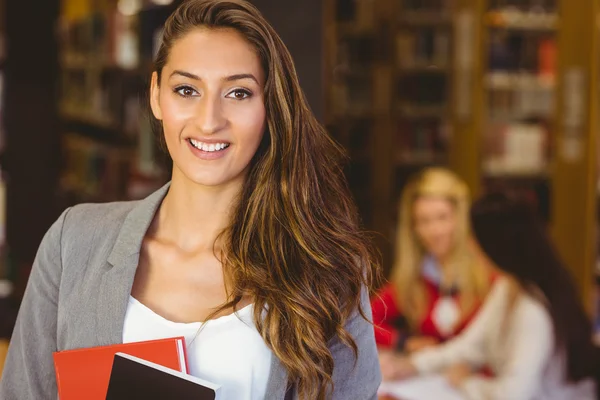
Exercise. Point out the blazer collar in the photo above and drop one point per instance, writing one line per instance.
(135, 226)
(117, 280)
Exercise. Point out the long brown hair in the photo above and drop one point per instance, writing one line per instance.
(293, 244)
(472, 279)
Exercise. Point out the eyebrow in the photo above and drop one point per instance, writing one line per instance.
(230, 78)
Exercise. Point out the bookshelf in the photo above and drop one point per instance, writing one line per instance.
(534, 135)
(388, 88)
(495, 89)
(519, 84)
(422, 72)
(351, 115)
(109, 148)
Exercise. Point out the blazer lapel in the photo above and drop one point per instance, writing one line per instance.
(277, 385)
(117, 281)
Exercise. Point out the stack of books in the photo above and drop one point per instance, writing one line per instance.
(150, 370)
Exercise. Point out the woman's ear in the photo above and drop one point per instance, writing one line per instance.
(155, 96)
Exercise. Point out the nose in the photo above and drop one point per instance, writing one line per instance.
(210, 117)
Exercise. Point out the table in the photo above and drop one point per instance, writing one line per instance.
(424, 387)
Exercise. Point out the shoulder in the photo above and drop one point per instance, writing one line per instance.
(91, 227)
(526, 311)
(92, 216)
(532, 311)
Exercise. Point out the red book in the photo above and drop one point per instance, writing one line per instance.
(85, 373)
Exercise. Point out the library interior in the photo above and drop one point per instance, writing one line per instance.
(503, 93)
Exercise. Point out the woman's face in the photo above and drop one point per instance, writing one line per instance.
(211, 104)
(435, 224)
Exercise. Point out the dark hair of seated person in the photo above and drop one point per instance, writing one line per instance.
(512, 235)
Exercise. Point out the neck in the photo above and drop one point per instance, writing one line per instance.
(447, 274)
(192, 216)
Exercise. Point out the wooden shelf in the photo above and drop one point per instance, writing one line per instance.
(518, 20)
(97, 129)
(425, 18)
(516, 174)
(87, 119)
(518, 81)
(344, 71)
(95, 64)
(419, 112)
(415, 159)
(355, 113)
(352, 29)
(424, 68)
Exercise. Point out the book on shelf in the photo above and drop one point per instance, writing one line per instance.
(423, 48)
(516, 149)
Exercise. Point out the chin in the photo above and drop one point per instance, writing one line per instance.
(211, 178)
(203, 180)
(440, 253)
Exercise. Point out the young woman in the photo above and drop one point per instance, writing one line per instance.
(437, 283)
(532, 330)
(252, 252)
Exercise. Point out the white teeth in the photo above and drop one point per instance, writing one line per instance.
(208, 147)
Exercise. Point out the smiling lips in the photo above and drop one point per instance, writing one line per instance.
(209, 147)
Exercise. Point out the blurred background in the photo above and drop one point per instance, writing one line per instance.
(504, 92)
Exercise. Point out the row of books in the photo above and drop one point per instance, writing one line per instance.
(438, 6)
(106, 51)
(519, 96)
(424, 47)
(112, 37)
(516, 149)
(421, 142)
(525, 5)
(95, 170)
(360, 13)
(513, 52)
(150, 370)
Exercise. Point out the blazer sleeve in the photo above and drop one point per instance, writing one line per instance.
(29, 369)
(357, 378)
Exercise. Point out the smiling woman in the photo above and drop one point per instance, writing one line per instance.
(208, 99)
(252, 252)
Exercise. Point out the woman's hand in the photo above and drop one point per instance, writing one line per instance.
(395, 366)
(417, 343)
(457, 374)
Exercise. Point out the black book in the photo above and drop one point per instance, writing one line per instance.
(134, 378)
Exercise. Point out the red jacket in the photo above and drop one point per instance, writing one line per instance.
(386, 311)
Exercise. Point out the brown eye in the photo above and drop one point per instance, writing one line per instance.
(239, 94)
(186, 91)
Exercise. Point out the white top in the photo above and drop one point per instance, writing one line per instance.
(228, 350)
(521, 353)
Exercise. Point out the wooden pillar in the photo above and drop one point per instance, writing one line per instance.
(574, 183)
(30, 120)
(467, 98)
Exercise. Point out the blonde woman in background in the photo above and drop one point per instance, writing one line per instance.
(437, 283)
(532, 331)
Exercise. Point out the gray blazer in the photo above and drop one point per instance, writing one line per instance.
(77, 296)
